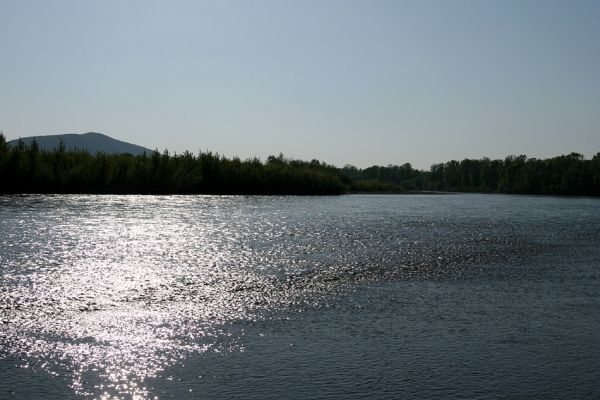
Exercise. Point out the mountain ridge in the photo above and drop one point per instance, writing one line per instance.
(92, 142)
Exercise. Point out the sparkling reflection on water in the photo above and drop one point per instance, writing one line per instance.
(111, 290)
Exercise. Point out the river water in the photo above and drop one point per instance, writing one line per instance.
(424, 296)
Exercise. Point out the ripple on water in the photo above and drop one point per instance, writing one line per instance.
(110, 290)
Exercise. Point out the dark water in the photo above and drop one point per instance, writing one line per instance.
(457, 296)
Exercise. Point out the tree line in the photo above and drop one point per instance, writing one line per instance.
(568, 174)
(29, 169)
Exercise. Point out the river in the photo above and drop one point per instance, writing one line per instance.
(355, 296)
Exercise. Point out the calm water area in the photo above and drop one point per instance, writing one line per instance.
(459, 296)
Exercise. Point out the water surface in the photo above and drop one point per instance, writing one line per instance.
(458, 296)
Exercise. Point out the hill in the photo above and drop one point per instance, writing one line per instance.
(92, 142)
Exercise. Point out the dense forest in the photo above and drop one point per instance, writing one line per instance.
(564, 175)
(28, 169)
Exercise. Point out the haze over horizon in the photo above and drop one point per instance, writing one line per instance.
(381, 82)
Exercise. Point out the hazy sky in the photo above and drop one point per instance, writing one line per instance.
(360, 82)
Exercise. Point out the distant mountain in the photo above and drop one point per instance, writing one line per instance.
(92, 142)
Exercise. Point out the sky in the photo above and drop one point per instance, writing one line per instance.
(346, 82)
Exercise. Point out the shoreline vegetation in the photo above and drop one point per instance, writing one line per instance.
(25, 168)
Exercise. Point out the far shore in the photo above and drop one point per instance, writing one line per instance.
(407, 192)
